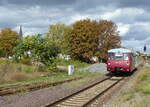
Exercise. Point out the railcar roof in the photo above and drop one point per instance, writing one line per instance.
(119, 50)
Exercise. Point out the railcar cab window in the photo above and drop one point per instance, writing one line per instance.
(118, 56)
(111, 56)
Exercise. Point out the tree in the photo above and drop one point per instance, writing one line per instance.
(84, 40)
(93, 39)
(109, 37)
(2, 53)
(58, 35)
(40, 49)
(8, 40)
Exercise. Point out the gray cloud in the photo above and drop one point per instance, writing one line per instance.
(37, 2)
(132, 16)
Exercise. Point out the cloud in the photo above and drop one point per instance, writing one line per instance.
(136, 45)
(131, 16)
(123, 28)
(126, 15)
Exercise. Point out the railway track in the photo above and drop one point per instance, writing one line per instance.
(12, 89)
(87, 96)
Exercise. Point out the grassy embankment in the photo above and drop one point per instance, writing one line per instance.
(16, 73)
(137, 91)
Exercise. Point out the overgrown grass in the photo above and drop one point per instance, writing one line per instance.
(12, 72)
(128, 96)
(136, 93)
(145, 89)
(5, 61)
(77, 64)
(61, 77)
(16, 73)
(144, 82)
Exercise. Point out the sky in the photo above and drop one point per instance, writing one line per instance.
(131, 16)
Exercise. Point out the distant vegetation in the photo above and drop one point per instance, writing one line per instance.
(81, 41)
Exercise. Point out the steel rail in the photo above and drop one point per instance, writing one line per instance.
(82, 90)
(102, 93)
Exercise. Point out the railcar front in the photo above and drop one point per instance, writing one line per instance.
(120, 60)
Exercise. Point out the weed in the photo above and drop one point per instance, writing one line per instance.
(144, 77)
(145, 89)
(77, 64)
(128, 96)
(19, 77)
(29, 70)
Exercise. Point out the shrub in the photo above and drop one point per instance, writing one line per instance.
(2, 53)
(52, 68)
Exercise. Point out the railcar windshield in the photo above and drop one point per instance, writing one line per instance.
(118, 56)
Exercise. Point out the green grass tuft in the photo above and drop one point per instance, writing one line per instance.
(145, 89)
(144, 77)
(128, 96)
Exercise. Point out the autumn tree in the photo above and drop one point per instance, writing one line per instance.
(58, 35)
(109, 37)
(84, 40)
(8, 40)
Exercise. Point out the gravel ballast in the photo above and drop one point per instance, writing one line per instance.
(98, 67)
(42, 97)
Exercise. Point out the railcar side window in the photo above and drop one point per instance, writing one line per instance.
(126, 57)
(111, 56)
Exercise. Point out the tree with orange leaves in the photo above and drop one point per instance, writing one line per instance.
(109, 37)
(8, 40)
(90, 39)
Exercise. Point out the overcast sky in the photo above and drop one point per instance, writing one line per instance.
(131, 16)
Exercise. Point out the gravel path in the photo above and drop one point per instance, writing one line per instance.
(98, 67)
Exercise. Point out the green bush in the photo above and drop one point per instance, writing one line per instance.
(40, 50)
(2, 53)
(52, 68)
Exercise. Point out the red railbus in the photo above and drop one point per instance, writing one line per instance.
(121, 60)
